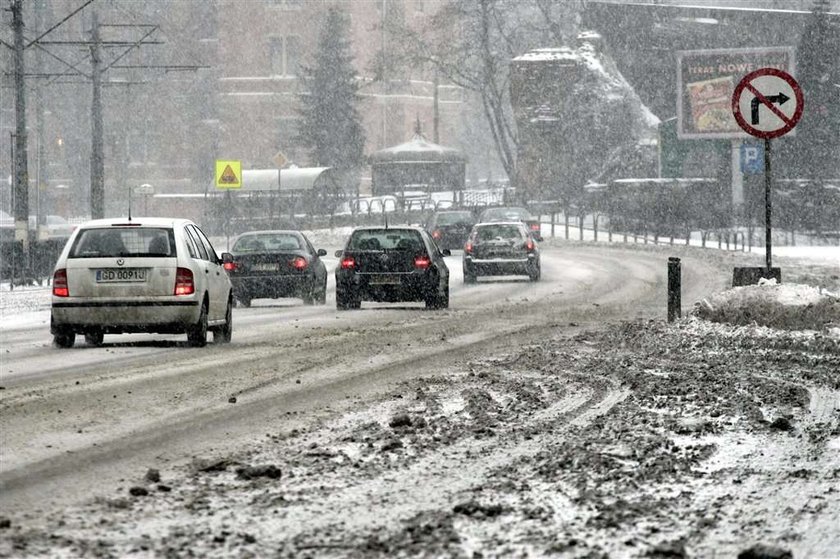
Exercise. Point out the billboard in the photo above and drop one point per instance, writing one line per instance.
(706, 80)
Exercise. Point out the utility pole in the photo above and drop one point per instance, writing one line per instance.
(99, 66)
(436, 109)
(40, 153)
(97, 158)
(21, 174)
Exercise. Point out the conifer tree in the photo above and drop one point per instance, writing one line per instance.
(816, 146)
(330, 125)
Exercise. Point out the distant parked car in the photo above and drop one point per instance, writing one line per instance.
(272, 264)
(55, 227)
(504, 248)
(7, 227)
(450, 228)
(155, 275)
(391, 264)
(513, 214)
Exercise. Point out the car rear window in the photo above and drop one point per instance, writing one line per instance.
(490, 232)
(270, 242)
(124, 241)
(450, 218)
(385, 239)
(505, 213)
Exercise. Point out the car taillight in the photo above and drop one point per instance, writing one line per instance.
(60, 283)
(436, 234)
(230, 266)
(468, 247)
(422, 262)
(299, 263)
(348, 263)
(184, 282)
(529, 245)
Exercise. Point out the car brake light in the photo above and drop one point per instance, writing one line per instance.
(468, 247)
(348, 263)
(184, 282)
(60, 283)
(299, 263)
(529, 245)
(436, 234)
(422, 262)
(230, 266)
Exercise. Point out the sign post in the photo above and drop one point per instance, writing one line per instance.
(228, 176)
(706, 80)
(760, 105)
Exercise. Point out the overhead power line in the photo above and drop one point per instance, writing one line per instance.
(57, 25)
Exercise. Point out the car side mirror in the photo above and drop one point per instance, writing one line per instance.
(322, 252)
(446, 252)
(227, 258)
(338, 253)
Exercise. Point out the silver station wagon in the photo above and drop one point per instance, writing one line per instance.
(156, 275)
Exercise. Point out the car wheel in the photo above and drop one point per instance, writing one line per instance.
(341, 301)
(345, 301)
(94, 337)
(64, 339)
(197, 334)
(223, 334)
(469, 277)
(443, 300)
(534, 274)
(434, 300)
(321, 299)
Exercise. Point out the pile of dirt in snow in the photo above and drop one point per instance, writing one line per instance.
(784, 306)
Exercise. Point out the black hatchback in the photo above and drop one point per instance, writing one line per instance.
(496, 249)
(274, 264)
(513, 214)
(391, 264)
(450, 228)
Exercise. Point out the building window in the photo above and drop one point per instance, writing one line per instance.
(138, 146)
(292, 55)
(286, 4)
(284, 53)
(287, 130)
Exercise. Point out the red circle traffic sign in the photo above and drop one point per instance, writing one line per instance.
(770, 80)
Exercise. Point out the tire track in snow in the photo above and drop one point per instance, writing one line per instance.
(435, 480)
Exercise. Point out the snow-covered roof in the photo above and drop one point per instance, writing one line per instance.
(301, 178)
(662, 180)
(416, 149)
(544, 54)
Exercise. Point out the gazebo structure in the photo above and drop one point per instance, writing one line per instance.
(417, 165)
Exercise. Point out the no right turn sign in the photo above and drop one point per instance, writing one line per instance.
(767, 103)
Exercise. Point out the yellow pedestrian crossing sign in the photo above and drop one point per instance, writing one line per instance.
(228, 174)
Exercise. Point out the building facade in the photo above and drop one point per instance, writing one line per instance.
(206, 80)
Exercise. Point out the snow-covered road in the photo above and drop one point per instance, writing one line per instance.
(529, 418)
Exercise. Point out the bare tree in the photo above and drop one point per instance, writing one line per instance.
(470, 43)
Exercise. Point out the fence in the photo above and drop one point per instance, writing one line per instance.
(676, 208)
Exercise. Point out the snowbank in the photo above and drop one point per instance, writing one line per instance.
(783, 306)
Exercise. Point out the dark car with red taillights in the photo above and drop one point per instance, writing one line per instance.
(391, 264)
(276, 264)
(450, 228)
(503, 248)
(512, 213)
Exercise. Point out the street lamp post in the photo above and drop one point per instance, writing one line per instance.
(147, 190)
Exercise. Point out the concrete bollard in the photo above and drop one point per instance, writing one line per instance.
(674, 289)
